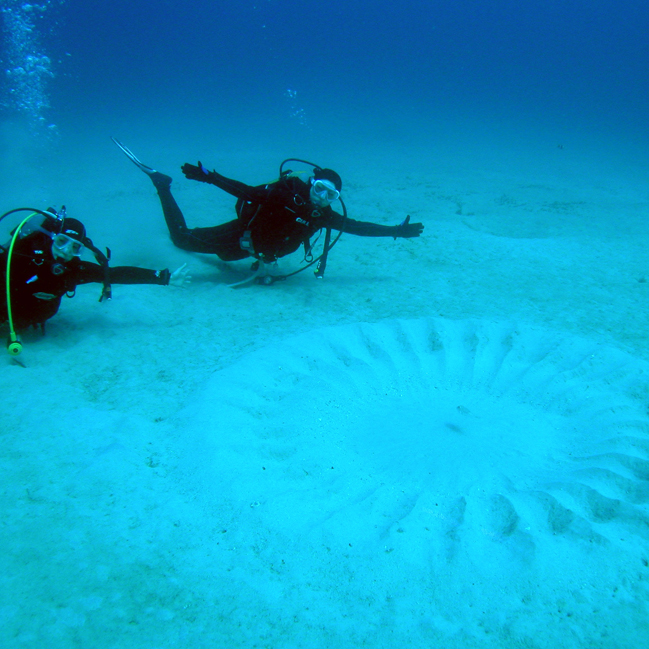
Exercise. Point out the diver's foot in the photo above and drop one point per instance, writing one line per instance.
(159, 179)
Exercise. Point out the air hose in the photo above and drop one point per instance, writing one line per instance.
(14, 346)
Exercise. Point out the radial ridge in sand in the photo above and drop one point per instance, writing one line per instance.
(500, 471)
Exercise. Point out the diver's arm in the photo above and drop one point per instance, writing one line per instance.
(366, 229)
(87, 272)
(233, 187)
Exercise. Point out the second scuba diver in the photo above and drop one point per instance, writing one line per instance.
(273, 220)
(43, 262)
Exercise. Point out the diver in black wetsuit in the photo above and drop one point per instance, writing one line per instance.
(45, 265)
(273, 220)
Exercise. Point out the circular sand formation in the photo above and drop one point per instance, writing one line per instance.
(467, 479)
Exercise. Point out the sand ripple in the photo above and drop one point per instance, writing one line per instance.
(499, 472)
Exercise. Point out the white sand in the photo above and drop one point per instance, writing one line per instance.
(294, 466)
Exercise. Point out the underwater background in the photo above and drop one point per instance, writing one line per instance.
(280, 73)
(442, 443)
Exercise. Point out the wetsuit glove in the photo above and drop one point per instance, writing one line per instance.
(194, 172)
(407, 230)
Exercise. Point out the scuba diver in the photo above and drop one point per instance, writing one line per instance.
(41, 263)
(272, 221)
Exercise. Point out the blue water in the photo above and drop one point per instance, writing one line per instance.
(354, 69)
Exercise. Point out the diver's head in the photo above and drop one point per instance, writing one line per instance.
(326, 185)
(69, 242)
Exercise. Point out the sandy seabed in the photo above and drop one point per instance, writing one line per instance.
(445, 442)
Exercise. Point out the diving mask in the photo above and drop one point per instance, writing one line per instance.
(325, 190)
(66, 247)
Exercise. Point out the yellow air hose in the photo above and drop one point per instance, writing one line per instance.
(14, 346)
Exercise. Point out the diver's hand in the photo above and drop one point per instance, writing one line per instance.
(180, 277)
(196, 172)
(407, 230)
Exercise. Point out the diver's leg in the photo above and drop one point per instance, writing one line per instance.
(173, 216)
(178, 230)
(222, 240)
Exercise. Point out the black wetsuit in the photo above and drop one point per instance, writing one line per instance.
(279, 217)
(39, 281)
